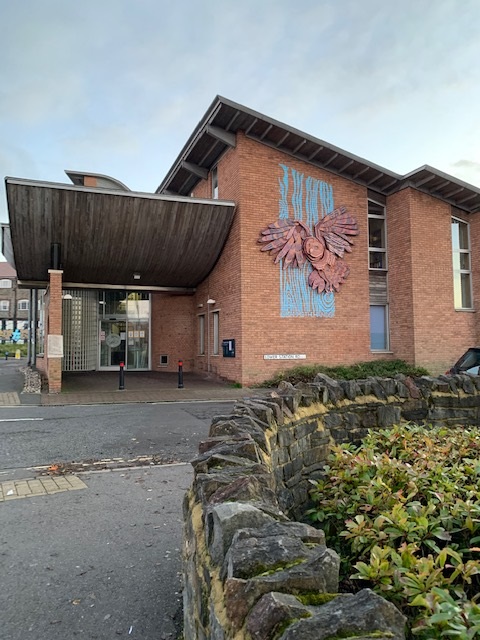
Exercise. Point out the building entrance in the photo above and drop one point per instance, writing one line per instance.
(112, 343)
(124, 330)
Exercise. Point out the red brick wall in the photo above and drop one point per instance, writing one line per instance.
(400, 277)
(345, 338)
(55, 328)
(441, 333)
(224, 284)
(172, 331)
(424, 327)
(250, 304)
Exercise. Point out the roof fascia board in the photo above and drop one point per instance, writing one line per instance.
(411, 185)
(207, 118)
(42, 284)
(115, 192)
(445, 176)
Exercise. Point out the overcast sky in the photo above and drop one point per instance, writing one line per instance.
(117, 86)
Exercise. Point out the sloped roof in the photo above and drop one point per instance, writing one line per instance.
(216, 132)
(7, 271)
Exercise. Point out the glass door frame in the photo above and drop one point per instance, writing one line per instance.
(123, 317)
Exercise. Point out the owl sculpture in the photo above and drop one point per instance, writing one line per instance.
(293, 241)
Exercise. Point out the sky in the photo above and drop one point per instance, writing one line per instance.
(116, 87)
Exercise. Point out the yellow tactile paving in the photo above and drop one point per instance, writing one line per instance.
(9, 399)
(14, 489)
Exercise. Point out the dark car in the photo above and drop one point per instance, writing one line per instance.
(468, 363)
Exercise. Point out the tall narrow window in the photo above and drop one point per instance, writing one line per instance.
(201, 335)
(377, 244)
(462, 269)
(216, 333)
(378, 327)
(215, 183)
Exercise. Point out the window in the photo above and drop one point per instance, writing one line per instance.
(215, 184)
(4, 305)
(377, 243)
(23, 305)
(378, 328)
(462, 273)
(201, 335)
(5, 283)
(216, 333)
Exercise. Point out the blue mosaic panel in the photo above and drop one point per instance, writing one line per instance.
(308, 200)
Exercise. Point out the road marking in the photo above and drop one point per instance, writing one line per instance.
(19, 419)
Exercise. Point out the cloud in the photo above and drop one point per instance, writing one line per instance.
(467, 164)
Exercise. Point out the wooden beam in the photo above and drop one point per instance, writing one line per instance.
(227, 137)
(200, 172)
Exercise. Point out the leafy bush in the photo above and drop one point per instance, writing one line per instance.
(380, 368)
(10, 348)
(403, 512)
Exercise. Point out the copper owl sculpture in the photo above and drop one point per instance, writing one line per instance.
(293, 241)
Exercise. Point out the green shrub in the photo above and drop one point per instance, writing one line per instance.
(380, 368)
(10, 348)
(403, 512)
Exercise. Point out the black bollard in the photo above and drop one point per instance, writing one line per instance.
(180, 374)
(6, 355)
(121, 382)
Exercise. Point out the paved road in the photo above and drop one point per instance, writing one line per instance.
(101, 562)
(32, 436)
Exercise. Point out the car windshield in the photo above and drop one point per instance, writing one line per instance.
(469, 360)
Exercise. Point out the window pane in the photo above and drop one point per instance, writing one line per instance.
(378, 260)
(464, 261)
(201, 335)
(461, 258)
(216, 333)
(463, 235)
(466, 290)
(378, 328)
(376, 233)
(455, 235)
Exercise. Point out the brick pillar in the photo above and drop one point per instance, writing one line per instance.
(54, 338)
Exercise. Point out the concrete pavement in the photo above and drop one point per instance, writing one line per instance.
(102, 387)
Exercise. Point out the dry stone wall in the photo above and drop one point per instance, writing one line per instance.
(252, 569)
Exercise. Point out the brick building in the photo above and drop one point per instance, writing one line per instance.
(153, 278)
(14, 304)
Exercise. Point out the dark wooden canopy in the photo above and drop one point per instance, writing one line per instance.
(107, 236)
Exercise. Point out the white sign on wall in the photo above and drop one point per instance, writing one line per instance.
(55, 346)
(285, 356)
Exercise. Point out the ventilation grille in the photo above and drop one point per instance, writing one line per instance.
(80, 330)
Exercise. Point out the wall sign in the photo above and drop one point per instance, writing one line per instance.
(113, 340)
(285, 356)
(55, 346)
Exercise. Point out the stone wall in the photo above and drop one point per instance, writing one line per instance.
(252, 569)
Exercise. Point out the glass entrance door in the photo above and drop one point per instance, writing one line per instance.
(112, 343)
(124, 329)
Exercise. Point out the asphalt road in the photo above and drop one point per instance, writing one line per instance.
(33, 436)
(102, 562)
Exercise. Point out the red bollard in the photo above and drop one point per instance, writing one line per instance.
(121, 383)
(180, 374)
